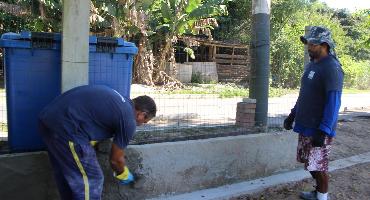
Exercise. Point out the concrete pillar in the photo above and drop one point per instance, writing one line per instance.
(306, 57)
(75, 43)
(260, 54)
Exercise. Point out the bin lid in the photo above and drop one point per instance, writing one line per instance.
(111, 45)
(28, 39)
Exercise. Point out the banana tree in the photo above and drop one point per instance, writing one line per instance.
(127, 19)
(174, 18)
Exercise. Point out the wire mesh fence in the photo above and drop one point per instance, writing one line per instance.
(178, 111)
(3, 110)
(200, 110)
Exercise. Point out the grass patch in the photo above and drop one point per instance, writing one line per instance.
(229, 90)
(278, 92)
(222, 90)
(3, 127)
(354, 91)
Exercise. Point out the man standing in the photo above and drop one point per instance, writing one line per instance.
(78, 118)
(316, 111)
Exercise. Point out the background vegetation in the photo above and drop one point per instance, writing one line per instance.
(156, 25)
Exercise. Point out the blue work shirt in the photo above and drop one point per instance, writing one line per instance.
(330, 116)
(319, 98)
(318, 80)
(90, 113)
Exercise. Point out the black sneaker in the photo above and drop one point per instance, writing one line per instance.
(308, 195)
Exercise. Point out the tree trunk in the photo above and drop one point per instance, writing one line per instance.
(42, 10)
(160, 77)
(161, 61)
(143, 70)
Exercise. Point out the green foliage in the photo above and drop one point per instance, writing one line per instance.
(359, 31)
(351, 33)
(174, 18)
(278, 92)
(287, 50)
(29, 18)
(357, 74)
(222, 90)
(355, 91)
(177, 17)
(234, 92)
(11, 23)
(196, 78)
(237, 24)
(190, 52)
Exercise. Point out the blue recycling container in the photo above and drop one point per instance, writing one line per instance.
(33, 78)
(110, 63)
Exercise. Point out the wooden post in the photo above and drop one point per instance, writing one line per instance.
(210, 53)
(214, 52)
(232, 56)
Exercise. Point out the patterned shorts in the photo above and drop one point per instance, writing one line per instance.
(314, 158)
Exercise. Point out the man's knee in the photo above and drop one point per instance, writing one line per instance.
(319, 175)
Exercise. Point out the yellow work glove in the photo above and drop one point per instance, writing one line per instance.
(125, 177)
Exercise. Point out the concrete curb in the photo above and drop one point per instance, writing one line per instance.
(249, 187)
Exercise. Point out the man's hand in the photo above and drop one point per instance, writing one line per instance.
(318, 138)
(126, 177)
(288, 122)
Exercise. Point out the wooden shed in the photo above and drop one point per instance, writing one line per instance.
(233, 60)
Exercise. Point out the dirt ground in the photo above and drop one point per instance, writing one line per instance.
(353, 138)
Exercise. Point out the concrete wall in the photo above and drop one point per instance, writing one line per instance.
(183, 71)
(165, 168)
(179, 167)
(26, 176)
(206, 70)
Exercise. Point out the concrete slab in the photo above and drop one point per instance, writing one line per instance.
(249, 187)
(177, 167)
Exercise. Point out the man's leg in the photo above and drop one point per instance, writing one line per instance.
(313, 174)
(317, 164)
(65, 191)
(322, 185)
(76, 168)
(90, 172)
(322, 181)
(79, 169)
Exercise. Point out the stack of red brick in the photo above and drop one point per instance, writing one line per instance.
(245, 113)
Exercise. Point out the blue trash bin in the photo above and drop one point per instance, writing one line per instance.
(33, 78)
(110, 63)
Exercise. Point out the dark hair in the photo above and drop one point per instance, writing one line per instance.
(145, 104)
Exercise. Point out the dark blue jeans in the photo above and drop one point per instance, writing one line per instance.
(76, 169)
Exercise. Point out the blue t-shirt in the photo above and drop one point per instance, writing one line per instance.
(318, 80)
(91, 113)
(318, 103)
(329, 119)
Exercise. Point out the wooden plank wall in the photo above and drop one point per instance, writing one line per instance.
(232, 67)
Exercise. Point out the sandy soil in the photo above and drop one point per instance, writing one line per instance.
(351, 183)
(353, 138)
